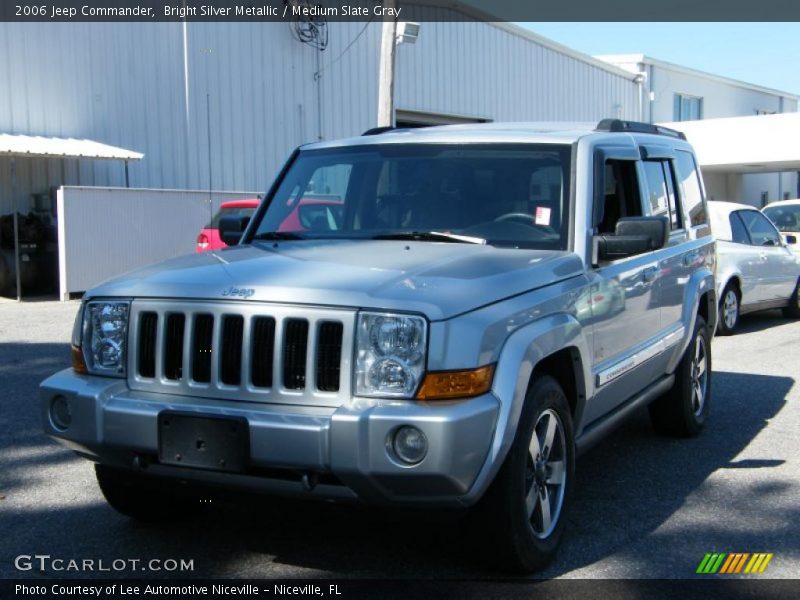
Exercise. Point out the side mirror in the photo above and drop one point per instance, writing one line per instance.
(232, 228)
(790, 239)
(632, 236)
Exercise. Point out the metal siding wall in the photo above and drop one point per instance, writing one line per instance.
(123, 84)
(475, 69)
(104, 232)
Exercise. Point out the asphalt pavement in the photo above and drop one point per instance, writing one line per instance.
(644, 507)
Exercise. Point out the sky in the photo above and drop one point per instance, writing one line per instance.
(761, 53)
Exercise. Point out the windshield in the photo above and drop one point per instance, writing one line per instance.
(508, 195)
(230, 211)
(786, 218)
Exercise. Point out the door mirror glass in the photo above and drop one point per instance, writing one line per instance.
(790, 239)
(633, 235)
(232, 228)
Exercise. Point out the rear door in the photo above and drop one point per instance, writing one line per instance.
(677, 260)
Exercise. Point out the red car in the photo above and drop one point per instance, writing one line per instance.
(209, 239)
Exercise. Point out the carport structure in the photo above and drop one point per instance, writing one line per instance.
(27, 146)
(731, 147)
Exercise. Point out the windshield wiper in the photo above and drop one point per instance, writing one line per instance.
(430, 236)
(277, 235)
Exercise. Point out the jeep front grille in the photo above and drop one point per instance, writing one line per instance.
(242, 351)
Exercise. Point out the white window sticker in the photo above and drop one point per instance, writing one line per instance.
(542, 215)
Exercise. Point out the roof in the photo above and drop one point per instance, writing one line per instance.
(616, 59)
(546, 132)
(754, 144)
(779, 203)
(724, 208)
(35, 146)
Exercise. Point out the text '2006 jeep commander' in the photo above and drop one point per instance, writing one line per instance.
(469, 307)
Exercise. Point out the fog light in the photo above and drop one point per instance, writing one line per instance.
(60, 413)
(410, 444)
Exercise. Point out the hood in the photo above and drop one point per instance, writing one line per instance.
(439, 280)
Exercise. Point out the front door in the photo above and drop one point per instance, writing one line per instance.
(624, 299)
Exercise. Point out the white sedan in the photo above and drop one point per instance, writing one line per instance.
(756, 269)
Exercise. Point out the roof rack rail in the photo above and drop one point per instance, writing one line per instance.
(618, 125)
(379, 130)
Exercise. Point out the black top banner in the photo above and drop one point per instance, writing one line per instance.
(402, 10)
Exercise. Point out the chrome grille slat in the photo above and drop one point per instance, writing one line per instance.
(307, 385)
(216, 344)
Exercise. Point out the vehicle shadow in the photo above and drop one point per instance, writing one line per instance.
(629, 488)
(759, 321)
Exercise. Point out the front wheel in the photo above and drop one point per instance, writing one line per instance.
(522, 514)
(683, 410)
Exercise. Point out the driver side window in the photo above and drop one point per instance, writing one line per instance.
(621, 194)
(762, 232)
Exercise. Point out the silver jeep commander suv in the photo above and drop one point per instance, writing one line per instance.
(434, 317)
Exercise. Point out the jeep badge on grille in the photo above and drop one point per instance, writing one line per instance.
(239, 292)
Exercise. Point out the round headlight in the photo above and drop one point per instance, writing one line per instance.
(395, 336)
(391, 376)
(410, 444)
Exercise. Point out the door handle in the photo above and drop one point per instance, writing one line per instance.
(763, 256)
(690, 258)
(650, 273)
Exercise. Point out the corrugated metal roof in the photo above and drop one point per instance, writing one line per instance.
(29, 145)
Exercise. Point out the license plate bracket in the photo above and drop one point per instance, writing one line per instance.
(204, 442)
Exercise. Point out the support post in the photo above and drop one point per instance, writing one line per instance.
(16, 227)
(386, 73)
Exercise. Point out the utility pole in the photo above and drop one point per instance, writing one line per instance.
(386, 73)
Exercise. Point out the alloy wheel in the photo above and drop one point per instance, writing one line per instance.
(546, 473)
(730, 309)
(699, 375)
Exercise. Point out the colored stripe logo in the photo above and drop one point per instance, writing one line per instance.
(734, 563)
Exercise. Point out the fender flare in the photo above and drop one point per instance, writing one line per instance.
(521, 352)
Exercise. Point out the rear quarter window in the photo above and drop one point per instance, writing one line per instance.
(692, 191)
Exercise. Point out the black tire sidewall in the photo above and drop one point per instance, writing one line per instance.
(695, 422)
(533, 552)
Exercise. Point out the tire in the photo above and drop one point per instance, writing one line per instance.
(683, 410)
(793, 310)
(512, 516)
(129, 495)
(729, 310)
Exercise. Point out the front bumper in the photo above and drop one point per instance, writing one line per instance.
(332, 453)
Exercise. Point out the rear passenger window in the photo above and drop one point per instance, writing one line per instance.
(738, 230)
(661, 193)
(691, 190)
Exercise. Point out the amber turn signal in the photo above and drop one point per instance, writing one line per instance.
(448, 385)
(78, 364)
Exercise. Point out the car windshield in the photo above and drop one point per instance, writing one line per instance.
(230, 211)
(786, 218)
(506, 195)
